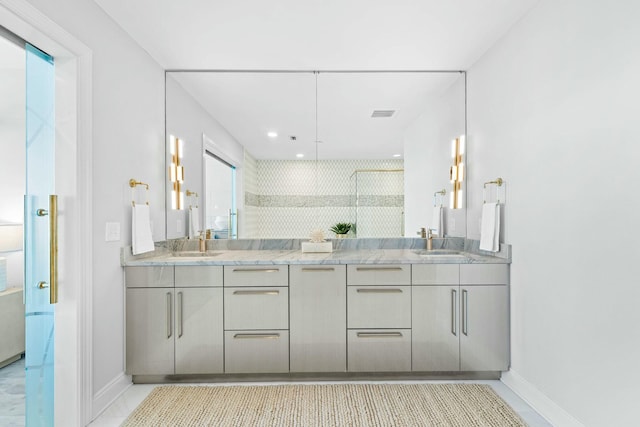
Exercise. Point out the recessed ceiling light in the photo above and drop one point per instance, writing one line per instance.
(397, 155)
(299, 155)
(272, 134)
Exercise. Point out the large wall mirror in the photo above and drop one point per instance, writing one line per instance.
(278, 154)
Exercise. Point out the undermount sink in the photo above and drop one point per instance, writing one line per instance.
(425, 252)
(192, 254)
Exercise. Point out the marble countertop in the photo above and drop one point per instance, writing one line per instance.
(288, 256)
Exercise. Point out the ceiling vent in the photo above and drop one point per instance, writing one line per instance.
(382, 113)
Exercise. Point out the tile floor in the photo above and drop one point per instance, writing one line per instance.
(12, 394)
(125, 404)
(12, 400)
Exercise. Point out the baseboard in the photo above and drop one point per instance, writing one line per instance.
(544, 406)
(108, 394)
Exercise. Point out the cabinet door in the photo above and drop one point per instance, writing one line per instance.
(435, 328)
(379, 307)
(149, 331)
(256, 351)
(256, 308)
(318, 319)
(198, 331)
(484, 339)
(382, 350)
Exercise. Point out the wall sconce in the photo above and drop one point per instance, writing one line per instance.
(456, 172)
(10, 241)
(176, 172)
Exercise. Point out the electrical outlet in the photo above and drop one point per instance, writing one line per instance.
(112, 232)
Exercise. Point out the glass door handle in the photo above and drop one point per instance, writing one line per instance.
(53, 248)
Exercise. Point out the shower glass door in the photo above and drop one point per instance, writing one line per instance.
(40, 173)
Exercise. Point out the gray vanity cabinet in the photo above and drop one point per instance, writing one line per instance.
(174, 330)
(460, 317)
(379, 318)
(318, 318)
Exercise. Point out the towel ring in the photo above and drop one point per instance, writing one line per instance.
(133, 184)
(497, 182)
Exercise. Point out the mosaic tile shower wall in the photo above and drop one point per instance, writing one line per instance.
(249, 218)
(289, 202)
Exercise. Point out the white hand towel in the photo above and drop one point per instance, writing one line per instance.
(437, 221)
(141, 240)
(194, 222)
(490, 228)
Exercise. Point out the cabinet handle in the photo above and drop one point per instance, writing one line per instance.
(454, 312)
(465, 314)
(256, 270)
(169, 316)
(379, 291)
(318, 269)
(379, 334)
(257, 336)
(378, 268)
(179, 308)
(269, 292)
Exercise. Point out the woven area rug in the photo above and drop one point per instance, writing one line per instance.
(325, 405)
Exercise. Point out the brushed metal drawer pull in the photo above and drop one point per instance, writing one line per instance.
(169, 315)
(378, 268)
(454, 312)
(465, 312)
(380, 291)
(256, 270)
(318, 269)
(269, 292)
(257, 336)
(379, 334)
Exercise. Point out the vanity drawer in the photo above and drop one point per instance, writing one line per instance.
(149, 277)
(256, 351)
(484, 274)
(198, 275)
(379, 307)
(379, 274)
(256, 275)
(372, 350)
(435, 274)
(256, 308)
(318, 274)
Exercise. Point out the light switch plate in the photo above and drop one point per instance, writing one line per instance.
(112, 232)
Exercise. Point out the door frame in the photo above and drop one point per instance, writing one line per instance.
(73, 98)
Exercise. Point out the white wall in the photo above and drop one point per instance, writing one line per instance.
(553, 110)
(128, 142)
(427, 153)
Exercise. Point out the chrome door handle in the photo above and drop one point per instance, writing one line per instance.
(307, 269)
(378, 268)
(43, 285)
